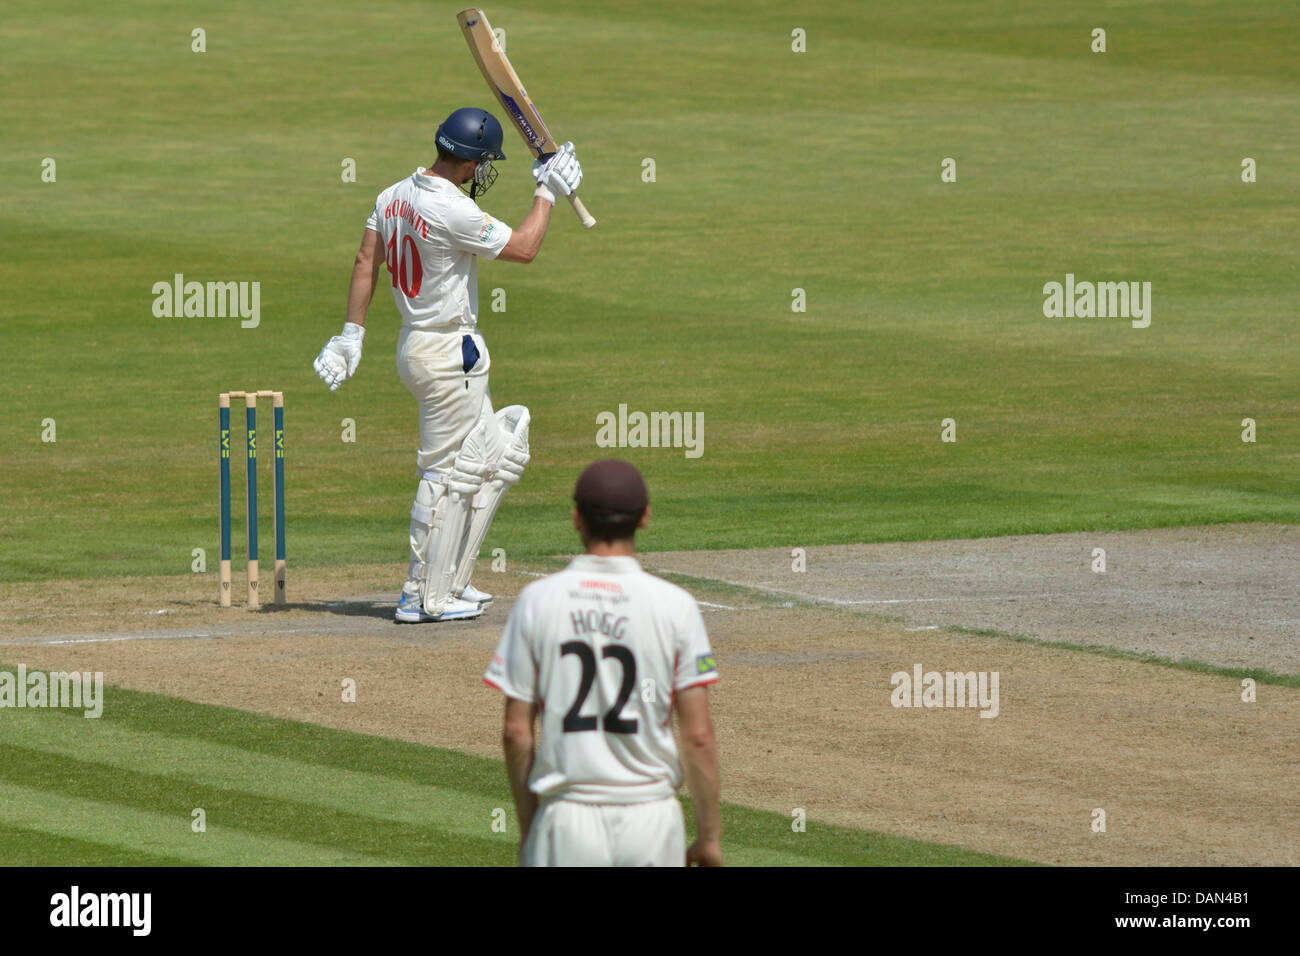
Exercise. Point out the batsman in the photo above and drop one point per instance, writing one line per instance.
(429, 233)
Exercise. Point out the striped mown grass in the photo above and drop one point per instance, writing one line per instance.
(122, 789)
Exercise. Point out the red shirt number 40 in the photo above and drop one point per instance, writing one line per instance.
(404, 267)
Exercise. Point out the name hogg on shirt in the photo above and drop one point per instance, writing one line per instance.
(598, 622)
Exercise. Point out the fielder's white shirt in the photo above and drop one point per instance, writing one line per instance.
(433, 234)
(602, 647)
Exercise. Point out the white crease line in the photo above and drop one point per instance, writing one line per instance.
(844, 602)
(126, 637)
(156, 636)
(965, 597)
(848, 603)
(38, 617)
(924, 627)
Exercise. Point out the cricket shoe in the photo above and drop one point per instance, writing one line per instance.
(410, 610)
(475, 596)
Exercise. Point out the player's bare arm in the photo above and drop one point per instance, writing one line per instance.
(699, 754)
(339, 359)
(365, 276)
(518, 741)
(526, 241)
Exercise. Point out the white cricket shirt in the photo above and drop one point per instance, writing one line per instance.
(433, 234)
(602, 647)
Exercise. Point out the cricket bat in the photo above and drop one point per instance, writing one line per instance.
(501, 77)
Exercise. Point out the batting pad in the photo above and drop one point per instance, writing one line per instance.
(513, 421)
(451, 518)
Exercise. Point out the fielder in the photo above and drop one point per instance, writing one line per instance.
(430, 234)
(606, 653)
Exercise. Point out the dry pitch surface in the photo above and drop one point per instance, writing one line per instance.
(1186, 771)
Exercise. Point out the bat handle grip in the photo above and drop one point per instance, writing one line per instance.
(587, 219)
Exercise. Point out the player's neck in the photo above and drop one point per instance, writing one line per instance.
(445, 171)
(612, 549)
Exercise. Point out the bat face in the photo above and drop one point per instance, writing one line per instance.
(501, 76)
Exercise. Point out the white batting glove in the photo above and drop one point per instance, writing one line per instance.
(339, 359)
(560, 174)
(542, 167)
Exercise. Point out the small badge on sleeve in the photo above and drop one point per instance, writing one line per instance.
(704, 664)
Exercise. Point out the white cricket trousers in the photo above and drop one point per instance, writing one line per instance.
(569, 833)
(452, 401)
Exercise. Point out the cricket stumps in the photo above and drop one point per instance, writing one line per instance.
(250, 434)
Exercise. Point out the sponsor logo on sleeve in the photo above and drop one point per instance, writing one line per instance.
(489, 227)
(704, 664)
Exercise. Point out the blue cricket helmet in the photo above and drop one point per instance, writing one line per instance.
(471, 133)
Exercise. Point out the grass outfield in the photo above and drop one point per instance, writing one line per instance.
(120, 790)
(924, 299)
